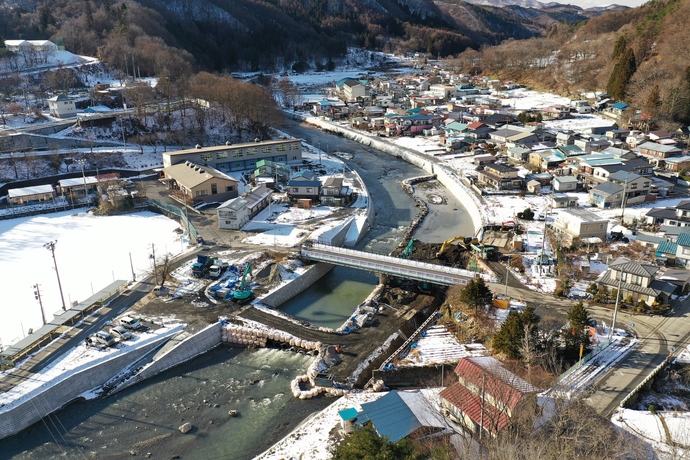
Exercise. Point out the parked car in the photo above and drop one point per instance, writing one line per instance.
(120, 333)
(130, 323)
(100, 339)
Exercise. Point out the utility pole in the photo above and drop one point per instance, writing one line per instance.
(625, 198)
(615, 309)
(134, 276)
(153, 256)
(37, 296)
(51, 247)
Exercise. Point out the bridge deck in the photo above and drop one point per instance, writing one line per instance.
(412, 269)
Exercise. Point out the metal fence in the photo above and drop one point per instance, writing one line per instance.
(585, 359)
(179, 213)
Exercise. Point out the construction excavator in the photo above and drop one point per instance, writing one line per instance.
(466, 240)
(243, 294)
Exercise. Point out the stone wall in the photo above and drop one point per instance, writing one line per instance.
(417, 377)
(16, 416)
(185, 350)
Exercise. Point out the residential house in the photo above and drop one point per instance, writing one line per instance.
(565, 184)
(398, 415)
(334, 193)
(555, 112)
(580, 223)
(500, 177)
(656, 152)
(565, 138)
(636, 187)
(304, 185)
(189, 181)
(683, 250)
(234, 213)
(636, 279)
(519, 154)
(500, 135)
(351, 89)
(238, 157)
(606, 195)
(673, 216)
(546, 159)
(666, 252)
(271, 173)
(30, 195)
(680, 278)
(533, 186)
(478, 130)
(486, 395)
(523, 139)
(416, 124)
(676, 164)
(498, 120)
(62, 106)
(563, 201)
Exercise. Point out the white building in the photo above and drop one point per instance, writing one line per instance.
(233, 214)
(62, 106)
(580, 223)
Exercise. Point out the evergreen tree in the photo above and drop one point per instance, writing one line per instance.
(508, 339)
(476, 294)
(365, 444)
(577, 333)
(620, 47)
(622, 72)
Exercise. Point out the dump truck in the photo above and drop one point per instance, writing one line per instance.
(202, 264)
(217, 268)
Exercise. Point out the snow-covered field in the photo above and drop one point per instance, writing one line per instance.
(91, 252)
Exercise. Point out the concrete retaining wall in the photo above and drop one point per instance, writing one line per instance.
(187, 349)
(55, 394)
(294, 287)
(417, 377)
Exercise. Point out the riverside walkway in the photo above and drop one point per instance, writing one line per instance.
(378, 263)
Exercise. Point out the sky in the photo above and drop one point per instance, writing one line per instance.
(90, 252)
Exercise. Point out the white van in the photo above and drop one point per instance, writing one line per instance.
(130, 323)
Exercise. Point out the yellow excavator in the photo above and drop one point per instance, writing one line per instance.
(446, 244)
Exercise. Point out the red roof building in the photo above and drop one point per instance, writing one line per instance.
(486, 395)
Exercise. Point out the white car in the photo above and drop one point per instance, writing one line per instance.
(119, 332)
(130, 323)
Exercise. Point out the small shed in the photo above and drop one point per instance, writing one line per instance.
(30, 195)
(534, 186)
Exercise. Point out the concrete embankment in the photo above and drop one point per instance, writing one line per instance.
(55, 393)
(445, 175)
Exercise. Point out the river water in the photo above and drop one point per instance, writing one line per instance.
(144, 419)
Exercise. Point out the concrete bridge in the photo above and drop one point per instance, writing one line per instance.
(387, 265)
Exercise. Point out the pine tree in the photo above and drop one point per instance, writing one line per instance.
(476, 294)
(577, 333)
(620, 47)
(508, 339)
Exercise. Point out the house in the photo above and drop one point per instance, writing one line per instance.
(234, 213)
(677, 164)
(62, 106)
(680, 278)
(666, 252)
(199, 183)
(683, 250)
(580, 223)
(636, 187)
(238, 157)
(675, 216)
(546, 159)
(520, 154)
(606, 195)
(522, 139)
(18, 46)
(304, 185)
(565, 184)
(351, 89)
(500, 135)
(533, 186)
(271, 173)
(637, 280)
(486, 395)
(30, 195)
(500, 177)
(334, 193)
(561, 201)
(658, 151)
(398, 415)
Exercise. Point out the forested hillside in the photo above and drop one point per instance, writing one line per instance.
(226, 35)
(639, 56)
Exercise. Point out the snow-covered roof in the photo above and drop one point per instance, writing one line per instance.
(77, 181)
(27, 191)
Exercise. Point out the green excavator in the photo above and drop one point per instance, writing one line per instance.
(243, 294)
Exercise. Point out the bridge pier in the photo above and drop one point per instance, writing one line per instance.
(383, 278)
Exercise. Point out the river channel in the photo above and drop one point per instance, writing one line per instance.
(144, 419)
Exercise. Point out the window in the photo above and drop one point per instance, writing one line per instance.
(686, 251)
(221, 155)
(586, 228)
(295, 189)
(601, 227)
(294, 157)
(206, 156)
(310, 190)
(201, 192)
(214, 189)
(252, 151)
(633, 186)
(266, 149)
(280, 148)
(237, 153)
(230, 188)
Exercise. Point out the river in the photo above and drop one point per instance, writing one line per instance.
(144, 419)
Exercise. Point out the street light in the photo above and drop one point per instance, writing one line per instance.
(51, 247)
(37, 296)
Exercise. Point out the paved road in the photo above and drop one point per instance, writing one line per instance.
(658, 337)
